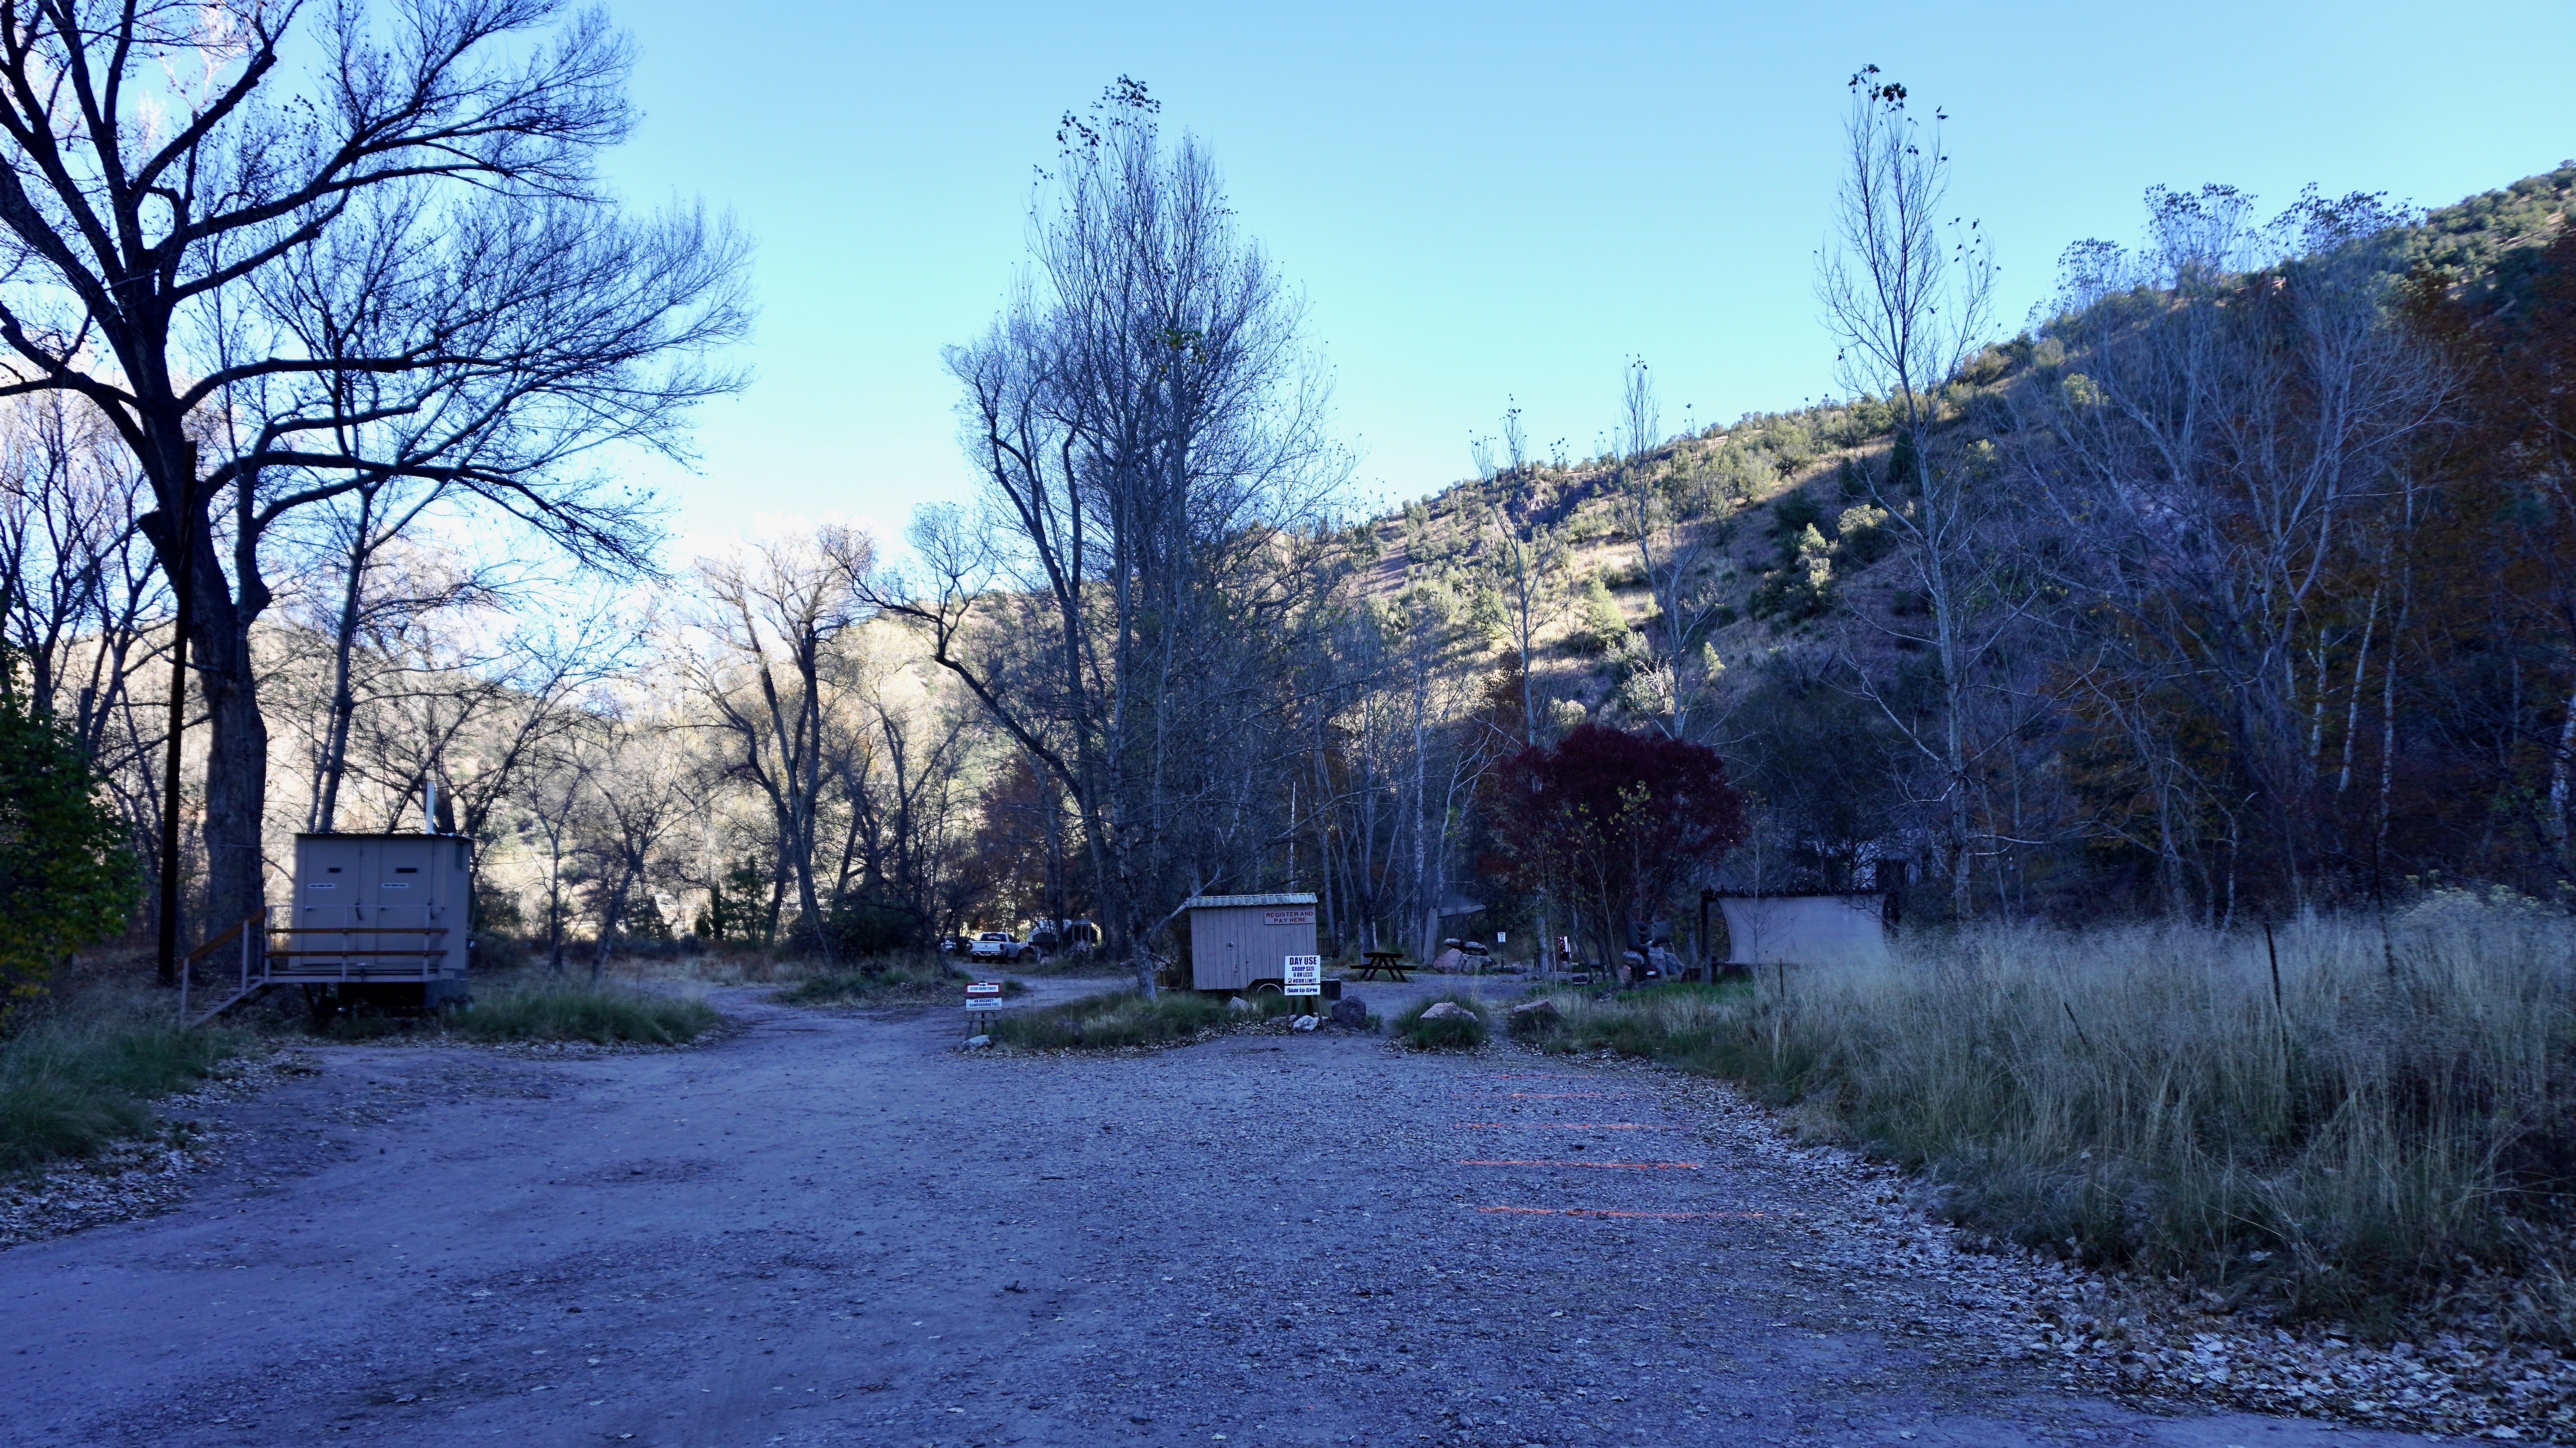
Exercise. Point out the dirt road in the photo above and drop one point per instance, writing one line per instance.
(836, 1229)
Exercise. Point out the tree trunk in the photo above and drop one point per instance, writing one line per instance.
(2562, 765)
(607, 938)
(236, 757)
(344, 704)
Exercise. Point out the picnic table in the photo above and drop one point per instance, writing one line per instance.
(1390, 961)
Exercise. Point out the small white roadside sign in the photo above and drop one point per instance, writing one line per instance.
(1305, 975)
(984, 995)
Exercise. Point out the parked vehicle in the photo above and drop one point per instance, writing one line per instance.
(996, 945)
(1055, 937)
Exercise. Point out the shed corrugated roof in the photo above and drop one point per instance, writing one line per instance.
(1208, 902)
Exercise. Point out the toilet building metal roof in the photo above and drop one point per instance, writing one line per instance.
(1215, 902)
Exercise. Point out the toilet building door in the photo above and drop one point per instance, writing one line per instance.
(406, 890)
(332, 888)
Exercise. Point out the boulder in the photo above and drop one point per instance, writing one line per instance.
(973, 1042)
(1449, 962)
(1448, 1011)
(1241, 1006)
(1349, 1012)
(1534, 1012)
(1302, 1023)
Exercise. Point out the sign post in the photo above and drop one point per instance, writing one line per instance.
(1305, 976)
(983, 1001)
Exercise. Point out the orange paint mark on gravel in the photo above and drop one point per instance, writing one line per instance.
(1568, 1125)
(1600, 1212)
(1533, 1095)
(1628, 1165)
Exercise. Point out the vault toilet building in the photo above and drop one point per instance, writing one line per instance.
(377, 919)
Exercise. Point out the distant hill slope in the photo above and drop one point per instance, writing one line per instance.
(2488, 242)
(1776, 486)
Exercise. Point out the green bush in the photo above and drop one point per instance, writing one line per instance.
(73, 1081)
(1113, 1019)
(1679, 1024)
(1449, 1034)
(575, 1012)
(1793, 513)
(66, 878)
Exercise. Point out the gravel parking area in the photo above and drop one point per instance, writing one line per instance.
(838, 1228)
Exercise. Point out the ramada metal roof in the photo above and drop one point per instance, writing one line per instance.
(1209, 902)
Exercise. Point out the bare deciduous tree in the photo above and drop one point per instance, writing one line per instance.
(1525, 558)
(275, 288)
(639, 790)
(1908, 304)
(1667, 514)
(2229, 451)
(1150, 442)
(774, 611)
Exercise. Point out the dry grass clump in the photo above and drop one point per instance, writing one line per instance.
(887, 985)
(571, 1011)
(1683, 1025)
(82, 1071)
(1109, 1021)
(2383, 1116)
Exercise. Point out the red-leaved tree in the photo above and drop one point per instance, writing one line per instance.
(1616, 824)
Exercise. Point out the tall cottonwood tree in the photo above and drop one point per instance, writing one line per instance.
(1907, 297)
(1152, 454)
(287, 248)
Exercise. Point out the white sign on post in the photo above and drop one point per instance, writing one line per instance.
(984, 995)
(1305, 975)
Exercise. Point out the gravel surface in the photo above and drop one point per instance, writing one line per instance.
(838, 1228)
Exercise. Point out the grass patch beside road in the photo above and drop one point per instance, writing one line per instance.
(78, 1075)
(893, 985)
(568, 1011)
(1685, 1025)
(1115, 1019)
(2346, 1133)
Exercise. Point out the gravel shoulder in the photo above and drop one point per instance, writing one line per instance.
(835, 1227)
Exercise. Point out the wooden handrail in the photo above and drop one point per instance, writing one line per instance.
(357, 930)
(202, 951)
(336, 954)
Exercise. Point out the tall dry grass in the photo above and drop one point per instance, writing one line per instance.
(2390, 1109)
(84, 1069)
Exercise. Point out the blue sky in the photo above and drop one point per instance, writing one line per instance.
(1484, 200)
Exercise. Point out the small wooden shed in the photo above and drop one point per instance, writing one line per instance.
(1242, 942)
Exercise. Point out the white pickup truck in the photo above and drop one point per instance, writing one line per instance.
(998, 945)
